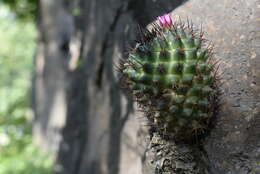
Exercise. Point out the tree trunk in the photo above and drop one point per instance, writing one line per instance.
(81, 113)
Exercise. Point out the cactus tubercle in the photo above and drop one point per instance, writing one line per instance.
(172, 77)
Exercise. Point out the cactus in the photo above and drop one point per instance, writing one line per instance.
(172, 77)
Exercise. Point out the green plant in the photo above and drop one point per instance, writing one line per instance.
(172, 77)
(23, 9)
(18, 153)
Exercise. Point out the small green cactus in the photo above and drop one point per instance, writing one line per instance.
(171, 76)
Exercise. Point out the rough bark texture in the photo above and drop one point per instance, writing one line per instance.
(81, 111)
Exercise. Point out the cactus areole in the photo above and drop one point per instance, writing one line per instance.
(172, 77)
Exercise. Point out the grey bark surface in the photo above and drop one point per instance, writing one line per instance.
(234, 144)
(95, 127)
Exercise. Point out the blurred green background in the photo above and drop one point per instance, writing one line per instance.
(18, 154)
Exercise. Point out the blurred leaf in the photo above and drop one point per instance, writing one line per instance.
(76, 11)
(18, 154)
(24, 9)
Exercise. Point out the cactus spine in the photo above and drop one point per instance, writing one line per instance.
(172, 77)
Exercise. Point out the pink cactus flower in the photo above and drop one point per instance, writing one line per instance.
(165, 20)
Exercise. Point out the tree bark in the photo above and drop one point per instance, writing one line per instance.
(82, 114)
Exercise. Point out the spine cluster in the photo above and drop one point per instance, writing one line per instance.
(172, 77)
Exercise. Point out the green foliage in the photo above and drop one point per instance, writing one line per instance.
(18, 154)
(171, 77)
(23, 9)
